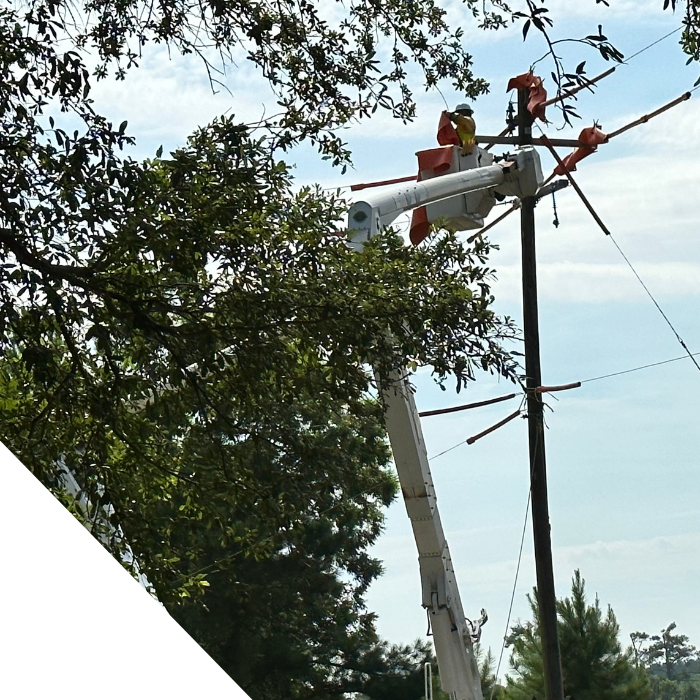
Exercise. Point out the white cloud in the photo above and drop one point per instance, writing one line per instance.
(590, 282)
(618, 9)
(602, 561)
(622, 572)
(168, 97)
(667, 134)
(629, 560)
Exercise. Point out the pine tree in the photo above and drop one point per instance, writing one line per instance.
(669, 661)
(670, 650)
(594, 666)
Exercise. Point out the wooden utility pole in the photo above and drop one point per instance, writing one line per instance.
(546, 598)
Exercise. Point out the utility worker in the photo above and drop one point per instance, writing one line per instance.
(465, 127)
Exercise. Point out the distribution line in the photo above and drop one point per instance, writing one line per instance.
(472, 440)
(529, 495)
(595, 379)
(465, 407)
(517, 568)
(656, 303)
(654, 43)
(449, 449)
(636, 369)
(616, 244)
(512, 595)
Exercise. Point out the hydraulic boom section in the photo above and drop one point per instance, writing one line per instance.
(452, 633)
(519, 176)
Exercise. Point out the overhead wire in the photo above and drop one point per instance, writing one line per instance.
(592, 379)
(656, 303)
(653, 43)
(473, 439)
(466, 406)
(529, 498)
(637, 369)
(605, 230)
(520, 557)
(515, 586)
(449, 449)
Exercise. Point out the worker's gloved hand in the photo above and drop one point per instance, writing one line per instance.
(475, 626)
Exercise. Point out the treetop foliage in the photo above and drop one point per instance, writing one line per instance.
(667, 651)
(594, 666)
(327, 64)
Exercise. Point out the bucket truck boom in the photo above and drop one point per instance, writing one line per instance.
(453, 634)
(518, 176)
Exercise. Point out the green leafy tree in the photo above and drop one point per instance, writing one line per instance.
(191, 337)
(670, 650)
(690, 39)
(119, 277)
(250, 484)
(594, 666)
(665, 689)
(667, 651)
(668, 659)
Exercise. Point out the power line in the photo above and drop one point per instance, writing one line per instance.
(656, 303)
(527, 511)
(595, 379)
(465, 407)
(512, 595)
(653, 43)
(636, 369)
(517, 568)
(608, 233)
(449, 449)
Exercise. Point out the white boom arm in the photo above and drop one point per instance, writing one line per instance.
(520, 177)
(452, 632)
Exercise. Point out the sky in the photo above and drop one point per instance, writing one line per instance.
(622, 452)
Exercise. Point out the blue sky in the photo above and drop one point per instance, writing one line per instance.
(622, 452)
